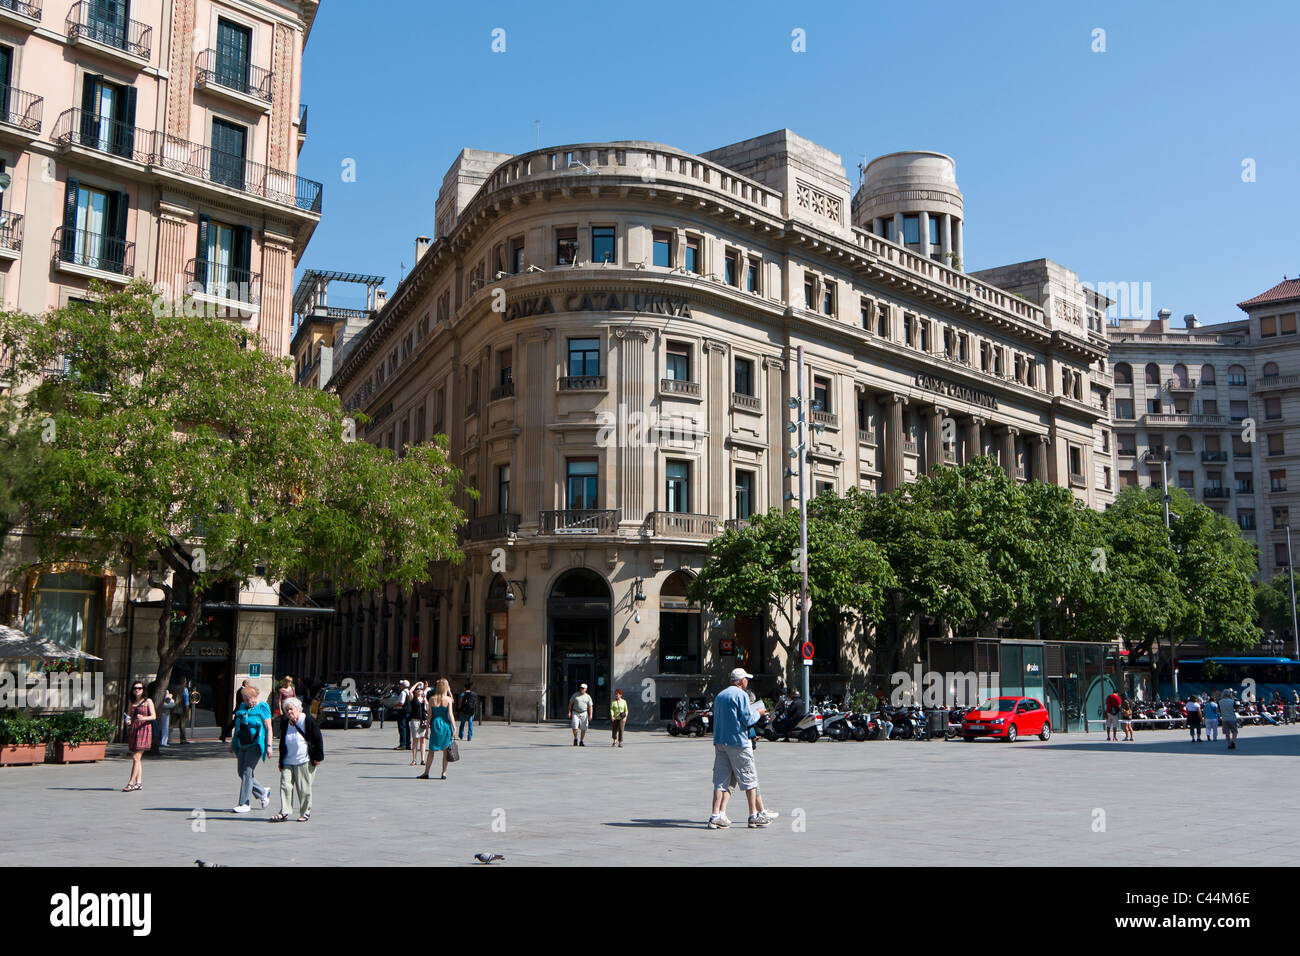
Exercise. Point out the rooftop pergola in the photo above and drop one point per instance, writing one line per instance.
(313, 289)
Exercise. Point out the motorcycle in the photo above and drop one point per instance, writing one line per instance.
(791, 723)
(690, 719)
(835, 722)
(955, 717)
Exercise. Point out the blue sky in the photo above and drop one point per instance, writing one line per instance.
(1124, 165)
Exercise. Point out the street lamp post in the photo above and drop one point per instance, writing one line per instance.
(800, 429)
(1164, 489)
(1290, 569)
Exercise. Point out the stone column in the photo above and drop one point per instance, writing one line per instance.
(893, 439)
(945, 237)
(898, 228)
(958, 245)
(934, 443)
(923, 233)
(974, 439)
(533, 389)
(633, 395)
(276, 315)
(1009, 451)
(173, 221)
(1040, 457)
(878, 226)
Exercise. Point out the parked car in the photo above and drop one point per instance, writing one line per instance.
(1007, 718)
(338, 705)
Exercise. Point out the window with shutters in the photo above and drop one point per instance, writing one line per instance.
(107, 117)
(227, 166)
(223, 260)
(94, 229)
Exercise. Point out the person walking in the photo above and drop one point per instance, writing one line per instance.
(1228, 718)
(1113, 702)
(182, 714)
(468, 707)
(301, 751)
(733, 753)
(252, 734)
(1194, 716)
(442, 722)
(419, 715)
(165, 719)
(1211, 718)
(1126, 719)
(140, 717)
(617, 717)
(580, 708)
(285, 690)
(403, 716)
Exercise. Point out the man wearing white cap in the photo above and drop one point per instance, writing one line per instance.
(580, 707)
(733, 754)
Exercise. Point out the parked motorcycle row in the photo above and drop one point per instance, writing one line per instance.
(792, 719)
(1174, 713)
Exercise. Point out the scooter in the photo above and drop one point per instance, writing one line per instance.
(835, 723)
(689, 719)
(806, 727)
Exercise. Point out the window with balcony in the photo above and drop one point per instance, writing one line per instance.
(517, 264)
(232, 64)
(1270, 370)
(1210, 406)
(743, 377)
(223, 261)
(731, 267)
(1281, 517)
(1276, 444)
(1272, 409)
(822, 395)
(228, 165)
(107, 118)
(602, 244)
(677, 491)
(1126, 445)
(744, 494)
(1124, 409)
(1243, 483)
(1214, 480)
(584, 358)
(662, 254)
(1277, 480)
(1153, 406)
(94, 229)
(566, 246)
(678, 362)
(752, 276)
(581, 484)
(694, 259)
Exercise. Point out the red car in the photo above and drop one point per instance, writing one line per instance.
(1008, 718)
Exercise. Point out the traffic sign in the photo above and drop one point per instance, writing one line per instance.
(415, 646)
(807, 650)
(467, 642)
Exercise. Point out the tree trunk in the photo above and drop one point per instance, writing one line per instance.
(169, 653)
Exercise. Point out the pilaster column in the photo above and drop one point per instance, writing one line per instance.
(276, 314)
(893, 439)
(1040, 457)
(934, 444)
(173, 221)
(924, 233)
(1009, 451)
(945, 237)
(778, 439)
(898, 228)
(958, 245)
(633, 394)
(974, 439)
(534, 389)
(717, 395)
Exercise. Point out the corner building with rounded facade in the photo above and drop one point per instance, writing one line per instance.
(606, 334)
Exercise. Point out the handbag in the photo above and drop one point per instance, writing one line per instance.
(453, 752)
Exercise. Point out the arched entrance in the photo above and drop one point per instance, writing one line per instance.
(578, 641)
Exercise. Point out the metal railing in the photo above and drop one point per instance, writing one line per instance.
(11, 231)
(20, 108)
(233, 73)
(22, 8)
(89, 130)
(676, 524)
(225, 281)
(491, 526)
(235, 172)
(741, 400)
(1218, 492)
(1214, 456)
(93, 250)
(676, 386)
(130, 36)
(578, 521)
(578, 383)
(505, 390)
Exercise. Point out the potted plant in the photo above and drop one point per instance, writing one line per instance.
(78, 738)
(22, 739)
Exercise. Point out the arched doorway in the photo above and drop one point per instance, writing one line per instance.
(578, 641)
(679, 628)
(497, 627)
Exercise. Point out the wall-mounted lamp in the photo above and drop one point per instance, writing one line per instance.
(510, 591)
(638, 596)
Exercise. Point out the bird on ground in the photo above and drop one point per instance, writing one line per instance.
(488, 857)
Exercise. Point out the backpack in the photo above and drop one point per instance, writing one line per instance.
(468, 703)
(248, 728)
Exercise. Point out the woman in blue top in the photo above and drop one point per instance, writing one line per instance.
(442, 722)
(248, 740)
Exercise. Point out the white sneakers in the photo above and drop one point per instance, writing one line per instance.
(719, 821)
(242, 809)
(266, 800)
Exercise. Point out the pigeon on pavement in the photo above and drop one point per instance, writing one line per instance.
(488, 857)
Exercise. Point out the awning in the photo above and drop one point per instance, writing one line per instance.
(288, 609)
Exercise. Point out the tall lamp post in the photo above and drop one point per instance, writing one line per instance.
(802, 450)
(1290, 569)
(1164, 488)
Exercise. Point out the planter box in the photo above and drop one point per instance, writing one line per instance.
(80, 753)
(19, 754)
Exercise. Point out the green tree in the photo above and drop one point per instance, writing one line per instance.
(171, 435)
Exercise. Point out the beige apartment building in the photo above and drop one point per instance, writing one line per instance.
(606, 335)
(155, 139)
(1219, 405)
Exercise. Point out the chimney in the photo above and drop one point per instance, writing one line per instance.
(421, 247)
(380, 298)
(1191, 320)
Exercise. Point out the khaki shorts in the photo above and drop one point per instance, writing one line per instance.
(1112, 721)
(579, 721)
(732, 765)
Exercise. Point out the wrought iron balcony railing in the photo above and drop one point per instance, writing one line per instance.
(235, 172)
(224, 281)
(20, 108)
(24, 8)
(92, 250)
(1183, 385)
(676, 524)
(505, 390)
(214, 68)
(578, 521)
(1218, 492)
(1214, 456)
(89, 130)
(130, 36)
(11, 231)
(490, 526)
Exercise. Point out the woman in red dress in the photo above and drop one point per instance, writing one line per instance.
(140, 716)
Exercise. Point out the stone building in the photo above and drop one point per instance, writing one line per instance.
(605, 333)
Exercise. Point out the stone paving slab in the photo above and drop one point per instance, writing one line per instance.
(898, 802)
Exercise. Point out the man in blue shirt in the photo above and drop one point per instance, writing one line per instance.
(733, 754)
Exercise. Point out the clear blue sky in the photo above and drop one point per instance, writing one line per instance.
(1125, 166)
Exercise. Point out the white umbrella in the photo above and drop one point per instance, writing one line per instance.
(18, 645)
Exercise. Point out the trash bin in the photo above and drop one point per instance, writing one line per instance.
(937, 723)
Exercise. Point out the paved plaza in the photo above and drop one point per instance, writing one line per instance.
(1165, 800)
